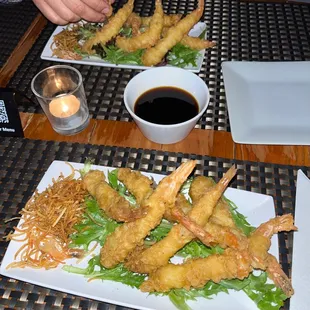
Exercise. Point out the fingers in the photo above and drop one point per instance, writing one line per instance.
(49, 13)
(84, 10)
(63, 11)
(97, 5)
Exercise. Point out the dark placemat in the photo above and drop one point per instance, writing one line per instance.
(15, 18)
(25, 161)
(243, 31)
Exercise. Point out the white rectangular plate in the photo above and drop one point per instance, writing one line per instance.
(268, 102)
(301, 250)
(257, 207)
(47, 54)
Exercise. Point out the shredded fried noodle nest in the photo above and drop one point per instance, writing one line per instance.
(48, 221)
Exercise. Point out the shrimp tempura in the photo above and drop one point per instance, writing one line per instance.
(111, 29)
(149, 37)
(110, 201)
(154, 55)
(179, 236)
(136, 183)
(233, 263)
(126, 237)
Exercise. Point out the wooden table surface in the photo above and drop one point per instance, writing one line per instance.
(126, 134)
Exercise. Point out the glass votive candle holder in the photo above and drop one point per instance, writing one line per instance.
(60, 92)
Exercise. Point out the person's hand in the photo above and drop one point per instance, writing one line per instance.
(62, 12)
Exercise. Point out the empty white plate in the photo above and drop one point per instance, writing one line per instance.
(268, 102)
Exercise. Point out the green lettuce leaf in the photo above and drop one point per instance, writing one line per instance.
(94, 270)
(117, 56)
(182, 56)
(95, 226)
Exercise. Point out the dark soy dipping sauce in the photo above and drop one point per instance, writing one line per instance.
(166, 106)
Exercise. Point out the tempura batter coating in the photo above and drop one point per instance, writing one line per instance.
(233, 263)
(160, 253)
(137, 184)
(181, 203)
(129, 235)
(169, 20)
(134, 21)
(111, 29)
(154, 55)
(221, 214)
(196, 43)
(149, 37)
(92, 179)
(212, 234)
(109, 200)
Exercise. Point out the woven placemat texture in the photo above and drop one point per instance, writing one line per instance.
(24, 163)
(243, 31)
(15, 18)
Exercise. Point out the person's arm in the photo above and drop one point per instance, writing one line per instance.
(62, 12)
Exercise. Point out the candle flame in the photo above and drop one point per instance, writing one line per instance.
(64, 106)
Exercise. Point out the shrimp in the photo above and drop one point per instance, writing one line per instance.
(169, 20)
(134, 21)
(160, 253)
(259, 240)
(181, 203)
(109, 200)
(212, 234)
(111, 29)
(196, 43)
(152, 56)
(149, 37)
(137, 184)
(129, 235)
(231, 264)
(278, 276)
(257, 245)
(221, 214)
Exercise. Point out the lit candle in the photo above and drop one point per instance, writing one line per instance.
(64, 106)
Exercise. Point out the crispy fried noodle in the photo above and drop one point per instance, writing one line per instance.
(48, 221)
(65, 42)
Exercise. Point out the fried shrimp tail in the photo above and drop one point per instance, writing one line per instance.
(154, 55)
(149, 37)
(109, 200)
(129, 235)
(179, 236)
(259, 243)
(259, 240)
(278, 276)
(111, 29)
(212, 234)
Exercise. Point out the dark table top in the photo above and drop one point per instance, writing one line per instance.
(15, 18)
